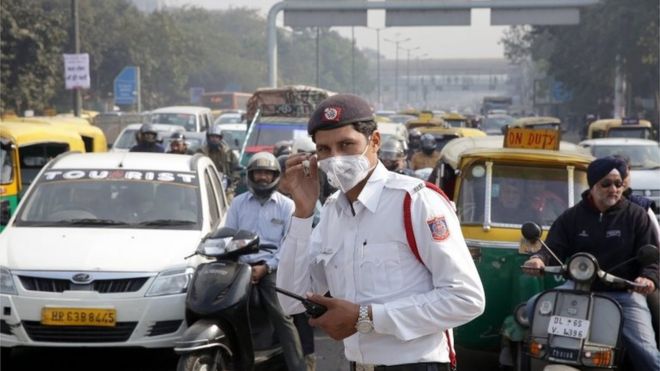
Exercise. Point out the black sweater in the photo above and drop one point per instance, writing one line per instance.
(612, 237)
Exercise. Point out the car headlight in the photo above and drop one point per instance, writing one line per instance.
(582, 267)
(7, 282)
(171, 282)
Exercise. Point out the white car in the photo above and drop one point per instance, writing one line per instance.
(644, 155)
(126, 139)
(96, 254)
(188, 118)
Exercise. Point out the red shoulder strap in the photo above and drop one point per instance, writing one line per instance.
(410, 236)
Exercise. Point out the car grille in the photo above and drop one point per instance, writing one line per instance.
(101, 286)
(164, 327)
(79, 334)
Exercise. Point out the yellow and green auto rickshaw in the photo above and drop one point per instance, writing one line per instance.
(537, 122)
(455, 120)
(10, 177)
(620, 128)
(33, 144)
(498, 183)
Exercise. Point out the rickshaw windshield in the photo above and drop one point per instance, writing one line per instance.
(517, 194)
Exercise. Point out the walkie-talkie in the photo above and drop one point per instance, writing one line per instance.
(313, 310)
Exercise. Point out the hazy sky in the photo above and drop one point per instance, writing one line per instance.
(480, 40)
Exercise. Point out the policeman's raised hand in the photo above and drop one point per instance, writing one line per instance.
(533, 267)
(340, 318)
(301, 182)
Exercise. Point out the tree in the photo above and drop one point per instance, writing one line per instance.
(31, 45)
(584, 56)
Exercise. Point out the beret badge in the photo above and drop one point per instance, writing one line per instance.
(332, 114)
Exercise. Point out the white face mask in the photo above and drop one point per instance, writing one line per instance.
(345, 172)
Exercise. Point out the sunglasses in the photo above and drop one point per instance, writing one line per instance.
(608, 183)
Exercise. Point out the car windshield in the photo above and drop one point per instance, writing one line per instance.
(113, 198)
(641, 157)
(229, 119)
(126, 140)
(184, 120)
(265, 134)
(518, 194)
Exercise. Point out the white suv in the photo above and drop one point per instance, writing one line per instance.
(96, 253)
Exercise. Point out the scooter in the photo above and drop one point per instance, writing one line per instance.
(575, 329)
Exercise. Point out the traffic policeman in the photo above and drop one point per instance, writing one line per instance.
(392, 309)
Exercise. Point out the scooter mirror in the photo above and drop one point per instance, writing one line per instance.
(647, 255)
(531, 231)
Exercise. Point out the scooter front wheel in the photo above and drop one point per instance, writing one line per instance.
(213, 359)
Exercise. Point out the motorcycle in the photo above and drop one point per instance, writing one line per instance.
(574, 329)
(228, 329)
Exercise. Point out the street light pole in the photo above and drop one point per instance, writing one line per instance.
(77, 101)
(408, 72)
(396, 66)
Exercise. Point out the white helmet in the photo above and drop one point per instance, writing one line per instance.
(263, 161)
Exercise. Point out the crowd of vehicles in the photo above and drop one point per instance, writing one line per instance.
(79, 292)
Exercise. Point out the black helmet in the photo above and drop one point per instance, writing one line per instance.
(391, 150)
(148, 129)
(428, 143)
(263, 161)
(177, 136)
(283, 147)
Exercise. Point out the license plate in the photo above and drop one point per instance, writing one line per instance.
(570, 327)
(79, 317)
(564, 354)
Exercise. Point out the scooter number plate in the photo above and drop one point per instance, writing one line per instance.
(570, 327)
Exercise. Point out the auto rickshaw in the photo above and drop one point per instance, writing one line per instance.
(10, 175)
(455, 120)
(620, 128)
(426, 119)
(497, 184)
(444, 134)
(37, 143)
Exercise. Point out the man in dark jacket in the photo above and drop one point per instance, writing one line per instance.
(147, 140)
(608, 226)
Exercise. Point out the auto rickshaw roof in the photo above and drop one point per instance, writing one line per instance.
(454, 131)
(606, 124)
(535, 120)
(28, 133)
(491, 147)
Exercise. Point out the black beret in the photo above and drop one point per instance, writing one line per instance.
(339, 110)
(600, 167)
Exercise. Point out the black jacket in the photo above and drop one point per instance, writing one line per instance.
(612, 237)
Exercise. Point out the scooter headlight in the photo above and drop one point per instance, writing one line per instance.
(582, 267)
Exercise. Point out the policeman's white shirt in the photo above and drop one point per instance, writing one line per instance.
(365, 258)
(269, 220)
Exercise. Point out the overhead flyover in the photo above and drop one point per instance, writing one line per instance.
(404, 13)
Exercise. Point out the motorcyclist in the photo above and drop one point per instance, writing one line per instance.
(283, 147)
(607, 225)
(392, 155)
(178, 144)
(267, 212)
(147, 140)
(414, 143)
(428, 157)
(220, 152)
